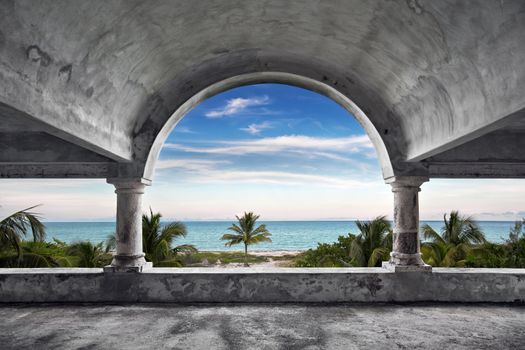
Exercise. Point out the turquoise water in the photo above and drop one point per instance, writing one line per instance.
(286, 235)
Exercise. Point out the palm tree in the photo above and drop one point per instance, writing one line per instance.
(157, 240)
(246, 233)
(89, 254)
(517, 231)
(373, 244)
(450, 248)
(110, 243)
(16, 226)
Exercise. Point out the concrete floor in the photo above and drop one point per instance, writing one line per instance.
(262, 327)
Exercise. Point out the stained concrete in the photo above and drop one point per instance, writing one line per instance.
(233, 327)
(261, 285)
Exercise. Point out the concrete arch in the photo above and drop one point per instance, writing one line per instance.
(270, 77)
(430, 76)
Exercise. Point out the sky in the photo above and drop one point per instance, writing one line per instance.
(283, 152)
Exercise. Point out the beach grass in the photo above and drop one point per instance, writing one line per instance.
(204, 258)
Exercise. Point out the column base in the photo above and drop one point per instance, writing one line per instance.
(127, 263)
(400, 262)
(390, 266)
(397, 258)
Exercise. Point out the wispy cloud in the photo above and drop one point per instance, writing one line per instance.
(190, 164)
(283, 178)
(237, 105)
(305, 146)
(506, 215)
(213, 171)
(257, 128)
(183, 130)
(332, 148)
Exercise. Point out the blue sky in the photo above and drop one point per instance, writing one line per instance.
(269, 135)
(284, 152)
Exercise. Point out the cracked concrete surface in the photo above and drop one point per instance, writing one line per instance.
(271, 326)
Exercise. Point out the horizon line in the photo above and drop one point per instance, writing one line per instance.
(269, 220)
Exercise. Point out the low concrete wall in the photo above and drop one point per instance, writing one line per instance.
(257, 285)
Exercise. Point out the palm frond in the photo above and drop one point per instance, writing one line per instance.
(378, 255)
(430, 234)
(236, 228)
(232, 239)
(89, 254)
(185, 248)
(258, 239)
(261, 230)
(174, 229)
(14, 227)
(356, 252)
(472, 234)
(157, 239)
(111, 243)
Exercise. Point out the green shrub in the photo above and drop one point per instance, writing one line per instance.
(327, 254)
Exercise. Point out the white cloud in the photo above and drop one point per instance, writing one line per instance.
(183, 130)
(257, 128)
(211, 171)
(189, 164)
(237, 105)
(297, 144)
(281, 178)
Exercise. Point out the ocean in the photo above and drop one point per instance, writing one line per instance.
(286, 235)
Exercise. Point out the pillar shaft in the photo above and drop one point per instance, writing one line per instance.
(129, 254)
(406, 253)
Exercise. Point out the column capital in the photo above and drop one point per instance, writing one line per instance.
(406, 181)
(128, 182)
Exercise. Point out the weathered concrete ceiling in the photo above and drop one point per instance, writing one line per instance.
(430, 75)
(498, 153)
(29, 148)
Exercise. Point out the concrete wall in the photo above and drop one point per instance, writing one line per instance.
(258, 285)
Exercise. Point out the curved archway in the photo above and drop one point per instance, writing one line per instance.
(269, 77)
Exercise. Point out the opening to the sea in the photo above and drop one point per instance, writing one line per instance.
(286, 170)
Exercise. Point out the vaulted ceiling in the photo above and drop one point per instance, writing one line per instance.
(87, 86)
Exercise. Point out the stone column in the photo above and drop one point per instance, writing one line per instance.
(406, 255)
(129, 255)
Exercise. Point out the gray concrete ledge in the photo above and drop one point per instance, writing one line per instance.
(189, 285)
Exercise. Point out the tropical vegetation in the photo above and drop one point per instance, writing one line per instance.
(157, 240)
(88, 254)
(203, 258)
(327, 254)
(14, 228)
(450, 248)
(15, 251)
(510, 253)
(246, 233)
(368, 248)
(373, 243)
(460, 243)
